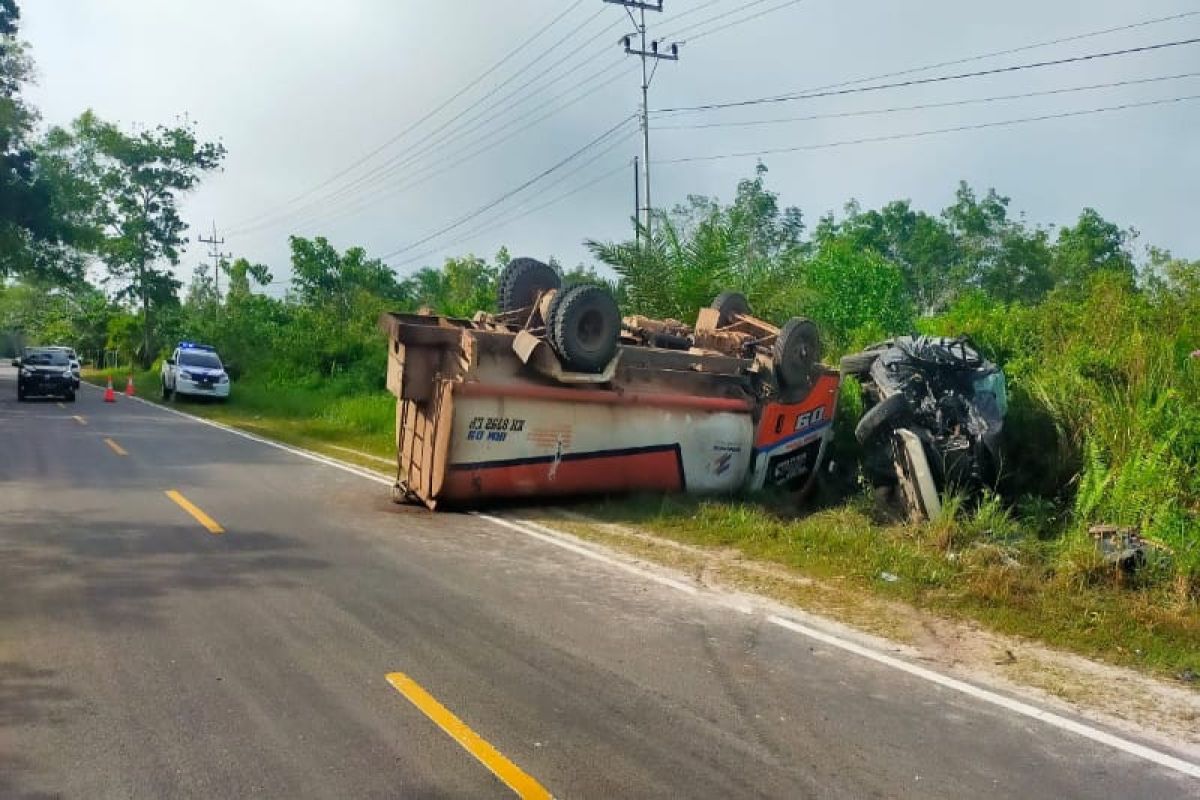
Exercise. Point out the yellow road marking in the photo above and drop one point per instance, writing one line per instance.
(80, 420)
(512, 775)
(204, 519)
(116, 448)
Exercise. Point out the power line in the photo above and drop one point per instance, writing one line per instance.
(936, 79)
(456, 160)
(479, 111)
(479, 121)
(718, 29)
(459, 127)
(925, 106)
(521, 214)
(404, 132)
(934, 132)
(679, 32)
(497, 201)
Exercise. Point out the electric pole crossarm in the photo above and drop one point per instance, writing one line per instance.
(638, 5)
(670, 55)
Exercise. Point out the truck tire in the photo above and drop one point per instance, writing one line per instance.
(858, 364)
(797, 353)
(167, 394)
(523, 280)
(586, 325)
(728, 306)
(881, 417)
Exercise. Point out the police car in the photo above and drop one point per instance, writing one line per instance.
(195, 370)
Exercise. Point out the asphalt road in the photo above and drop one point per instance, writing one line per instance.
(142, 656)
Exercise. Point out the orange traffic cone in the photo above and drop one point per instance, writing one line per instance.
(109, 395)
(129, 386)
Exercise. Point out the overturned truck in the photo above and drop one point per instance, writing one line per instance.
(558, 395)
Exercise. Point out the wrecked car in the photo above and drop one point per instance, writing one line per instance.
(557, 394)
(934, 409)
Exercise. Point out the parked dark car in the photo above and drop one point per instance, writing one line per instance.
(45, 372)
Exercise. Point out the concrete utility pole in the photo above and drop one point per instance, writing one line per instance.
(648, 54)
(216, 255)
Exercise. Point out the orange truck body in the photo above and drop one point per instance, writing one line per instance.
(485, 415)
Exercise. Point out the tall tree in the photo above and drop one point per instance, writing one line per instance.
(703, 248)
(138, 179)
(1092, 245)
(333, 282)
(37, 229)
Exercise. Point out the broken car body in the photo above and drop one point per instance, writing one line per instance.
(934, 410)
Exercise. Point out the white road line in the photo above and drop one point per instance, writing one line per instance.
(1016, 706)
(361, 454)
(557, 539)
(297, 451)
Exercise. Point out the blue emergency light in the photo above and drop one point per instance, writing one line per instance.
(195, 346)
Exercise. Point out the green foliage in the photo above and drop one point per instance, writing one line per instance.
(1105, 404)
(40, 223)
(704, 248)
(460, 288)
(854, 295)
(133, 182)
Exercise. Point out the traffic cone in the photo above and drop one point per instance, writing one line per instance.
(129, 386)
(109, 395)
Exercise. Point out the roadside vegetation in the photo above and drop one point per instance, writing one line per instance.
(1095, 331)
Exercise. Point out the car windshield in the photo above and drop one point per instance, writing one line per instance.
(46, 358)
(199, 358)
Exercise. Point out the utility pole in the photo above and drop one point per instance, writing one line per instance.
(648, 51)
(214, 252)
(637, 201)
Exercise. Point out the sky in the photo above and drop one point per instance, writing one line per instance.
(419, 130)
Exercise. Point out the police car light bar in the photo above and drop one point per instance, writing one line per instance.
(195, 346)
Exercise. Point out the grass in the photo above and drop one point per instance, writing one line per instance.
(975, 567)
(320, 418)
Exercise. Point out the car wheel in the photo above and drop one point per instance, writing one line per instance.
(587, 326)
(858, 364)
(69, 397)
(166, 391)
(880, 416)
(523, 280)
(20, 394)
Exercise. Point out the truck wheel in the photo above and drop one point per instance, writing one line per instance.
(728, 306)
(523, 280)
(552, 312)
(858, 364)
(586, 326)
(796, 353)
(880, 417)
(166, 391)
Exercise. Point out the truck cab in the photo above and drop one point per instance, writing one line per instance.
(194, 370)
